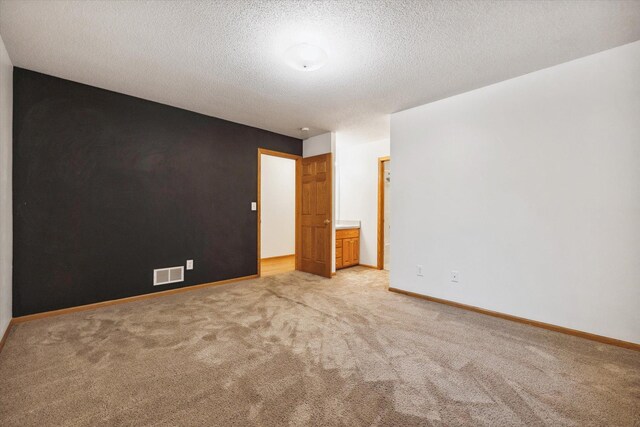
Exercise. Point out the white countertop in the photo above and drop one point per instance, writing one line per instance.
(345, 225)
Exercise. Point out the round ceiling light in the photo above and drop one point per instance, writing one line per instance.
(306, 57)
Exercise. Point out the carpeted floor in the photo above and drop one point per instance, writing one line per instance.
(295, 349)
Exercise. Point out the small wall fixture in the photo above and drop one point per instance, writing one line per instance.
(306, 57)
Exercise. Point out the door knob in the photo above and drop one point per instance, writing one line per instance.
(327, 221)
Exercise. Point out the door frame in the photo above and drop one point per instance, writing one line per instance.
(381, 161)
(298, 184)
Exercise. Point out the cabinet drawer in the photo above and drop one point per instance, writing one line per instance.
(338, 252)
(346, 234)
(338, 243)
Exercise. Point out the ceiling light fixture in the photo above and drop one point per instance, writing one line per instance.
(306, 57)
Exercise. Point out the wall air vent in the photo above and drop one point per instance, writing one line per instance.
(162, 276)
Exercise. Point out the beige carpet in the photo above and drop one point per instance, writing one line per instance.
(299, 350)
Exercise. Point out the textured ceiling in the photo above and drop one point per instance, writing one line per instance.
(224, 58)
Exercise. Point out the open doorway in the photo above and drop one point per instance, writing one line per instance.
(278, 211)
(384, 213)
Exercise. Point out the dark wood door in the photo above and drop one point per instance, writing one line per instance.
(315, 215)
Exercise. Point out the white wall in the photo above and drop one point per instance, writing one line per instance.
(357, 176)
(320, 144)
(278, 210)
(314, 146)
(6, 227)
(530, 188)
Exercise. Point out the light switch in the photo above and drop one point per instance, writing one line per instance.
(254, 206)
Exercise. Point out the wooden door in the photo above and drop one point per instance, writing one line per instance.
(315, 215)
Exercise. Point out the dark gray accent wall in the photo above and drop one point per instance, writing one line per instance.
(108, 187)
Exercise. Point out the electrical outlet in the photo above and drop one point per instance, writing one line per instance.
(419, 270)
(455, 276)
(189, 264)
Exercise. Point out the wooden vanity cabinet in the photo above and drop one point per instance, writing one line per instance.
(347, 247)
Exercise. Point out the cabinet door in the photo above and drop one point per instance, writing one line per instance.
(347, 252)
(355, 251)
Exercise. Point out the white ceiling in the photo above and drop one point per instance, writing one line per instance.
(224, 58)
